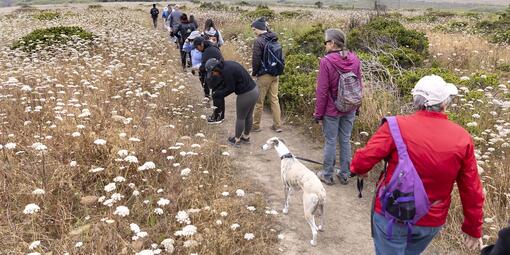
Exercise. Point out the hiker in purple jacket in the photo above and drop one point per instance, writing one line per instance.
(335, 124)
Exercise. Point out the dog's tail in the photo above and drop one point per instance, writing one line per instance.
(317, 201)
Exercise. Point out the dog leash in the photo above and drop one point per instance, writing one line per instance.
(359, 181)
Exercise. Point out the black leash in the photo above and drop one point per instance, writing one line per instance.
(359, 182)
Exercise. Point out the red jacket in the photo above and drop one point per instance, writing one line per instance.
(442, 153)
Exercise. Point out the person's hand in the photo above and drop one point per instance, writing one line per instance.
(472, 242)
(319, 122)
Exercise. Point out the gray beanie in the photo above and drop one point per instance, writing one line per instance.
(337, 36)
(259, 24)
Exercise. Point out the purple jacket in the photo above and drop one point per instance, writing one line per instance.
(327, 82)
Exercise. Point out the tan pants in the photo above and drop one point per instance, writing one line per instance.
(268, 85)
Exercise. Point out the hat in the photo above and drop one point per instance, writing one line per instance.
(193, 35)
(198, 41)
(210, 65)
(434, 89)
(259, 24)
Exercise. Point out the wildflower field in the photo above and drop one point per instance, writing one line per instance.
(104, 148)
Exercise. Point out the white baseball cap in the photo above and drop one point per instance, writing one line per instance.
(193, 35)
(434, 89)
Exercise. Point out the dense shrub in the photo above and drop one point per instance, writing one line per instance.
(337, 7)
(95, 6)
(244, 3)
(440, 14)
(297, 84)
(47, 15)
(410, 47)
(503, 67)
(261, 11)
(293, 14)
(310, 42)
(498, 30)
(409, 79)
(50, 36)
(214, 6)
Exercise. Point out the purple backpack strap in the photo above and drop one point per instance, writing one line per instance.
(397, 137)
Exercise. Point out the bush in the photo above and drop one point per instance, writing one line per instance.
(440, 14)
(503, 67)
(409, 79)
(244, 3)
(310, 42)
(293, 14)
(214, 6)
(47, 15)
(261, 11)
(95, 6)
(498, 30)
(337, 7)
(410, 46)
(297, 84)
(50, 36)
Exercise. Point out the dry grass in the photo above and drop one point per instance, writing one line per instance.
(131, 91)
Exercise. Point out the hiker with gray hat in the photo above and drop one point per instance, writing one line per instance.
(267, 65)
(225, 78)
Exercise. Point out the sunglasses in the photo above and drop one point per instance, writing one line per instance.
(326, 42)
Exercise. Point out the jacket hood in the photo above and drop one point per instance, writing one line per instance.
(269, 36)
(348, 63)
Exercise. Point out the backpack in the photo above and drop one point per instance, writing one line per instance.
(273, 62)
(154, 12)
(185, 30)
(350, 91)
(404, 199)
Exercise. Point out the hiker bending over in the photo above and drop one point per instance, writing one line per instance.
(154, 15)
(209, 51)
(229, 77)
(213, 33)
(196, 58)
(267, 65)
(338, 97)
(426, 155)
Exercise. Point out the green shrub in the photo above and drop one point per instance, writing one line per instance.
(503, 67)
(297, 84)
(409, 79)
(293, 14)
(95, 6)
(440, 14)
(310, 42)
(422, 18)
(384, 34)
(336, 7)
(50, 36)
(498, 30)
(481, 80)
(261, 11)
(244, 3)
(47, 15)
(214, 6)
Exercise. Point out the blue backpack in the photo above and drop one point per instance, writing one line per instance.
(273, 62)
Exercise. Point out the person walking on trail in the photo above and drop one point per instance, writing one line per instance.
(184, 30)
(165, 14)
(154, 15)
(193, 20)
(196, 59)
(267, 79)
(210, 51)
(230, 77)
(339, 70)
(174, 20)
(426, 154)
(211, 31)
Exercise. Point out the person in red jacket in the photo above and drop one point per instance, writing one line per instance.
(443, 154)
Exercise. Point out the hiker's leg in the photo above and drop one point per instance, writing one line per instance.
(383, 246)
(254, 96)
(204, 86)
(244, 109)
(421, 238)
(263, 85)
(275, 104)
(344, 133)
(183, 55)
(219, 104)
(330, 131)
(155, 22)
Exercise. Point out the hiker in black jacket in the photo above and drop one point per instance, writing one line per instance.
(154, 15)
(209, 51)
(183, 31)
(225, 78)
(502, 245)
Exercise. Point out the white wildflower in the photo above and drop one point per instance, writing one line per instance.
(78, 244)
(39, 146)
(134, 227)
(73, 163)
(187, 231)
(224, 214)
(251, 208)
(110, 187)
(163, 201)
(225, 153)
(119, 179)
(75, 134)
(240, 193)
(147, 166)
(145, 252)
(158, 211)
(123, 153)
(31, 209)
(122, 211)
(10, 146)
(100, 142)
(131, 159)
(225, 194)
(38, 192)
(234, 226)
(182, 217)
(185, 172)
(34, 245)
(96, 170)
(219, 222)
(249, 236)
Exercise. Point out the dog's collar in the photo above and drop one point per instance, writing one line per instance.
(288, 155)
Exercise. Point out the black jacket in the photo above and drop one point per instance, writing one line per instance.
(502, 246)
(154, 12)
(184, 30)
(258, 52)
(235, 79)
(210, 51)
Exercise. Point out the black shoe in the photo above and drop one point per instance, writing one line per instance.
(326, 180)
(245, 140)
(343, 178)
(232, 141)
(212, 120)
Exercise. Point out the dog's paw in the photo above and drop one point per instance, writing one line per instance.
(320, 228)
(313, 243)
(285, 210)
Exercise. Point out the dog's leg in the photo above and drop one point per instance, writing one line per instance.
(321, 211)
(310, 203)
(287, 190)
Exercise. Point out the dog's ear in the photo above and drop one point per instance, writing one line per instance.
(275, 142)
(283, 141)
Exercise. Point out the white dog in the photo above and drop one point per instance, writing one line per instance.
(297, 176)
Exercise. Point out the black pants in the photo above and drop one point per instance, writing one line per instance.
(155, 21)
(204, 86)
(219, 104)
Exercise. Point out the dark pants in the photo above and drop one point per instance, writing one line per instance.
(219, 105)
(245, 103)
(183, 54)
(204, 86)
(155, 21)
